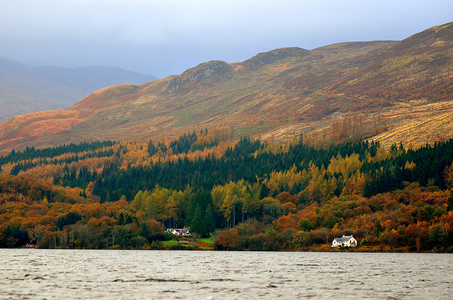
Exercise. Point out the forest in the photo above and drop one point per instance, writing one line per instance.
(240, 194)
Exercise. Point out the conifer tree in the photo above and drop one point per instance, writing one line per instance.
(198, 224)
(151, 148)
(209, 218)
(264, 192)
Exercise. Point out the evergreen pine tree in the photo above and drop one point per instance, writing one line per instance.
(198, 224)
(286, 187)
(296, 189)
(264, 192)
(210, 219)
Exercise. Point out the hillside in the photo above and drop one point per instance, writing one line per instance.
(249, 195)
(345, 91)
(26, 90)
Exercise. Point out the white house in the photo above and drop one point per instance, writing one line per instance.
(179, 231)
(344, 241)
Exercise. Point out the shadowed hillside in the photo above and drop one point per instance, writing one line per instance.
(25, 90)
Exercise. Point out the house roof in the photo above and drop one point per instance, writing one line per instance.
(345, 238)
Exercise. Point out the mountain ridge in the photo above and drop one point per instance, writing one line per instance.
(273, 95)
(25, 89)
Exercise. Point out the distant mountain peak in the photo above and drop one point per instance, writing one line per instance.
(25, 89)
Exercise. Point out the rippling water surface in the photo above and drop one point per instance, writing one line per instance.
(97, 274)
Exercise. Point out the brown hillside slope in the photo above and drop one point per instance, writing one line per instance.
(418, 68)
(250, 96)
(274, 94)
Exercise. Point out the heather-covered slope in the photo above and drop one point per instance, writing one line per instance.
(251, 96)
(419, 68)
(362, 89)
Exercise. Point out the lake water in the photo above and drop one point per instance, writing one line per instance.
(104, 274)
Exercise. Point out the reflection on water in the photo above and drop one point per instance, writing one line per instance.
(96, 274)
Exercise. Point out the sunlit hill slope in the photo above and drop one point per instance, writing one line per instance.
(388, 91)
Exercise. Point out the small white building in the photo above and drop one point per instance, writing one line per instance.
(179, 231)
(344, 241)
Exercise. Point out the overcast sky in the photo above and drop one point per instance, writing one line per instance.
(169, 36)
